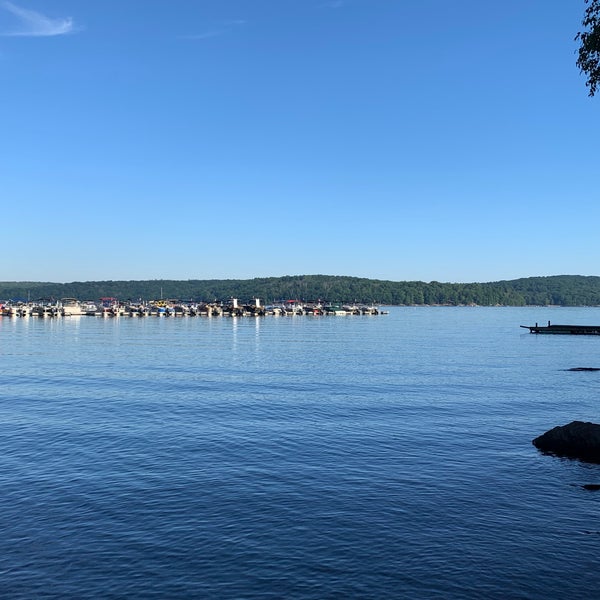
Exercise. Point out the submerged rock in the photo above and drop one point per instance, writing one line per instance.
(578, 439)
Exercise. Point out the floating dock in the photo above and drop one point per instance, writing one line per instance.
(111, 307)
(563, 329)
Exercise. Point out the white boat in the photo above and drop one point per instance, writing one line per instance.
(110, 307)
(16, 309)
(70, 307)
(334, 309)
(45, 308)
(351, 309)
(369, 310)
(90, 308)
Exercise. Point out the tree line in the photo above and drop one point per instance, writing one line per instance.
(560, 290)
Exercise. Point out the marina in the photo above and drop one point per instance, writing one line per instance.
(112, 307)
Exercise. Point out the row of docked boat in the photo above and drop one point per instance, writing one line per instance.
(111, 307)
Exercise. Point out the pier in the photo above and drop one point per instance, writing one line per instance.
(563, 329)
(111, 307)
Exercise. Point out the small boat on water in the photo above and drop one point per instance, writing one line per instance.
(90, 308)
(45, 308)
(16, 309)
(564, 329)
(110, 307)
(334, 309)
(71, 307)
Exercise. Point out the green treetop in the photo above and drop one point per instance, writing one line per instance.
(588, 59)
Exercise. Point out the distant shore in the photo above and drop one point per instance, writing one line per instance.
(559, 290)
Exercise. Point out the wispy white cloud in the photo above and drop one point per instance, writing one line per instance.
(35, 24)
(223, 28)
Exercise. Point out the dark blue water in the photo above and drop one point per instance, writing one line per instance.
(306, 457)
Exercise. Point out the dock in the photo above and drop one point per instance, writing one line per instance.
(563, 329)
(111, 307)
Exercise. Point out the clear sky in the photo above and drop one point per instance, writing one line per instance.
(392, 139)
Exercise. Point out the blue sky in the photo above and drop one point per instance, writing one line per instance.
(392, 139)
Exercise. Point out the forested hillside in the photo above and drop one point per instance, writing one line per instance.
(563, 290)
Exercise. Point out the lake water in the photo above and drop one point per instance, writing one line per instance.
(366, 457)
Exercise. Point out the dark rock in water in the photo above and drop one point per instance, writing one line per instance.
(576, 440)
(584, 369)
(593, 487)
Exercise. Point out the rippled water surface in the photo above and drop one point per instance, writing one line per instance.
(305, 457)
